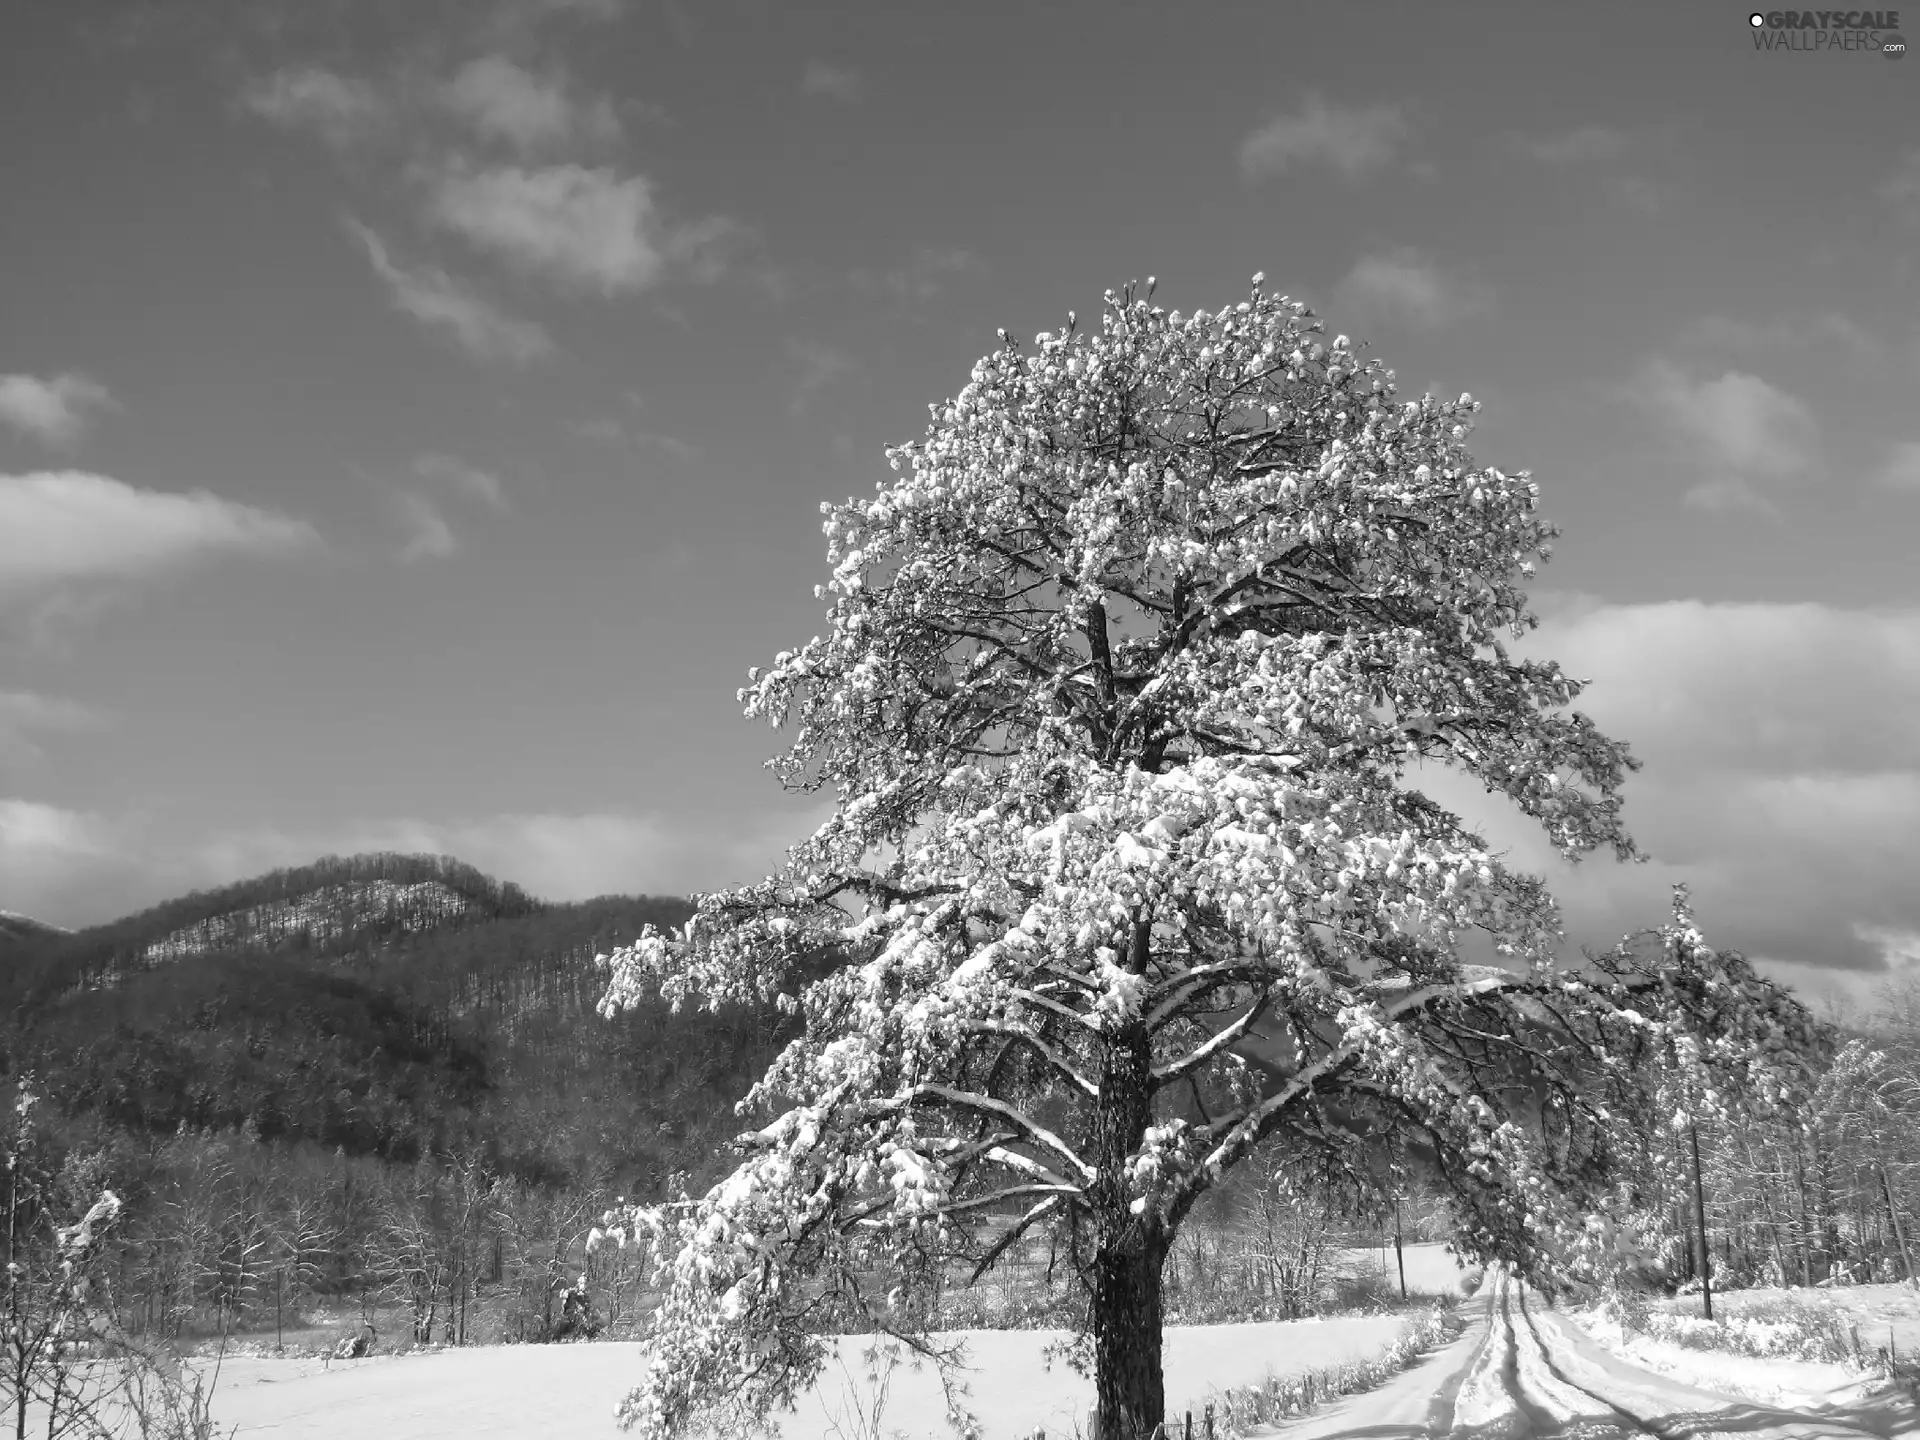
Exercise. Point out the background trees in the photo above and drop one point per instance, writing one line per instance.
(1121, 685)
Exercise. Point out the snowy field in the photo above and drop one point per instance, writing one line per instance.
(1430, 1269)
(566, 1392)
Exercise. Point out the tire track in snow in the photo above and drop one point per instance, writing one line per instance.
(1596, 1395)
(1522, 1372)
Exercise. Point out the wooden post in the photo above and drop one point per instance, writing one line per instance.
(1209, 1420)
(1189, 1430)
(1700, 1221)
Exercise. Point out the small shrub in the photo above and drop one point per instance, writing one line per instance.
(1779, 1330)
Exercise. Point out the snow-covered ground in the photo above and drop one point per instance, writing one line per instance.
(568, 1392)
(1523, 1371)
(1773, 1380)
(1881, 1312)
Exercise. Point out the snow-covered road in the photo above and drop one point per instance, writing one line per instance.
(1520, 1370)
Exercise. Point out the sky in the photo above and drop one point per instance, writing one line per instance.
(414, 418)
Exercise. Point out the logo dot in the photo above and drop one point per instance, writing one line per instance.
(1756, 19)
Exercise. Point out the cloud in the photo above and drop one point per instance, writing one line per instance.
(1902, 188)
(612, 430)
(503, 102)
(62, 526)
(429, 537)
(1782, 335)
(52, 411)
(533, 11)
(1352, 140)
(60, 862)
(816, 366)
(1579, 146)
(1781, 779)
(24, 710)
(585, 229)
(927, 273)
(832, 82)
(440, 302)
(1745, 434)
(24, 714)
(1404, 287)
(704, 250)
(342, 111)
(471, 481)
(1902, 469)
(82, 867)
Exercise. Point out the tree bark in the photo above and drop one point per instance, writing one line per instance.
(1127, 1315)
(1130, 1249)
(1899, 1230)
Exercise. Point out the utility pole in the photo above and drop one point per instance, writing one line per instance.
(1399, 1250)
(1700, 1220)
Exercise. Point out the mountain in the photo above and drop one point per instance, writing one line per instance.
(382, 1005)
(18, 930)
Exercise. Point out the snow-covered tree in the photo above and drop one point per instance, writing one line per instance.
(1126, 682)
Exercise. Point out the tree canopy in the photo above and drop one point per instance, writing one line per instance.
(1126, 682)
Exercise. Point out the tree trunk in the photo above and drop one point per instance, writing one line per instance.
(1899, 1230)
(1127, 1314)
(1130, 1249)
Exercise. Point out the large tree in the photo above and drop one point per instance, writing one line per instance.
(1125, 684)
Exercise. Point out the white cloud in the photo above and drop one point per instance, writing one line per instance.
(613, 430)
(1745, 434)
(1577, 146)
(58, 862)
(1782, 335)
(339, 109)
(928, 272)
(24, 714)
(429, 537)
(53, 411)
(835, 82)
(504, 102)
(535, 10)
(1350, 139)
(437, 300)
(478, 484)
(704, 250)
(61, 526)
(1902, 187)
(1403, 286)
(78, 868)
(1902, 469)
(586, 229)
(1781, 779)
(816, 366)
(22, 710)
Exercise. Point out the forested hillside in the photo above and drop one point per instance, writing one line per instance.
(384, 1005)
(381, 1075)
